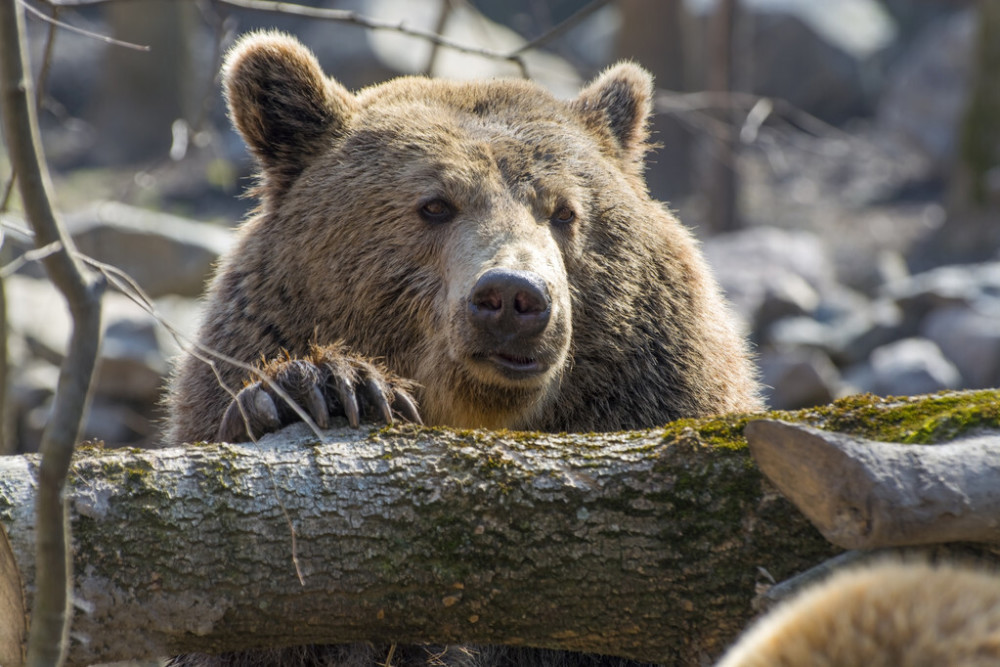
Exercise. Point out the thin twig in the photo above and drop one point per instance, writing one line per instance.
(34, 255)
(128, 286)
(446, 10)
(563, 26)
(8, 189)
(73, 28)
(43, 72)
(678, 103)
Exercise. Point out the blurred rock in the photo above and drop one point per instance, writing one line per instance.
(944, 287)
(868, 269)
(132, 364)
(787, 296)
(164, 253)
(116, 423)
(798, 379)
(31, 387)
(878, 325)
(800, 332)
(822, 78)
(768, 272)
(820, 56)
(131, 370)
(847, 337)
(905, 367)
(970, 337)
(37, 314)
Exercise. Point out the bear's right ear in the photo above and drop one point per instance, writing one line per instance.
(282, 103)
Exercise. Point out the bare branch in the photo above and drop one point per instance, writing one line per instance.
(442, 20)
(50, 620)
(434, 37)
(8, 190)
(351, 17)
(683, 103)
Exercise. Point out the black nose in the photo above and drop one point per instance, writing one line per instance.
(510, 303)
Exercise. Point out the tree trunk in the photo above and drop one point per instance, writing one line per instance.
(979, 133)
(723, 215)
(642, 544)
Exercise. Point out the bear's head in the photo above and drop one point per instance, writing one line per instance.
(484, 239)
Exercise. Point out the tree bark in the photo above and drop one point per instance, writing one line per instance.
(646, 544)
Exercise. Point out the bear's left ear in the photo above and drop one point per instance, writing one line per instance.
(282, 103)
(621, 99)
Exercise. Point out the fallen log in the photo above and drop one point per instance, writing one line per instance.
(649, 545)
(642, 544)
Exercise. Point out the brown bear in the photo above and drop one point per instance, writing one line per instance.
(466, 254)
(889, 614)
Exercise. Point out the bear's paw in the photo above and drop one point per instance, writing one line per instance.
(330, 382)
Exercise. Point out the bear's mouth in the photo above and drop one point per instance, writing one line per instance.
(516, 363)
(511, 366)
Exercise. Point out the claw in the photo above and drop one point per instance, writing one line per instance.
(376, 394)
(315, 405)
(345, 390)
(252, 411)
(262, 411)
(407, 407)
(232, 428)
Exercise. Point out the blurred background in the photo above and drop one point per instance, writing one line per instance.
(839, 160)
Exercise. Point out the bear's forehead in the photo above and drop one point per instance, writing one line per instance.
(505, 120)
(416, 103)
(456, 147)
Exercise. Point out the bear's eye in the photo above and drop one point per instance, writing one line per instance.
(564, 215)
(437, 210)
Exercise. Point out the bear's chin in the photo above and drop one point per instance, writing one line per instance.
(480, 395)
(510, 370)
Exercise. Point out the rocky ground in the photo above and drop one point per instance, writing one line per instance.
(822, 276)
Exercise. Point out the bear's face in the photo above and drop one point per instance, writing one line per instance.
(464, 219)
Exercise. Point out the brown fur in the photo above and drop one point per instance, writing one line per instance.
(340, 253)
(888, 615)
(337, 252)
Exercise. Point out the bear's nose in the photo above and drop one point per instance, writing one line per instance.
(510, 303)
